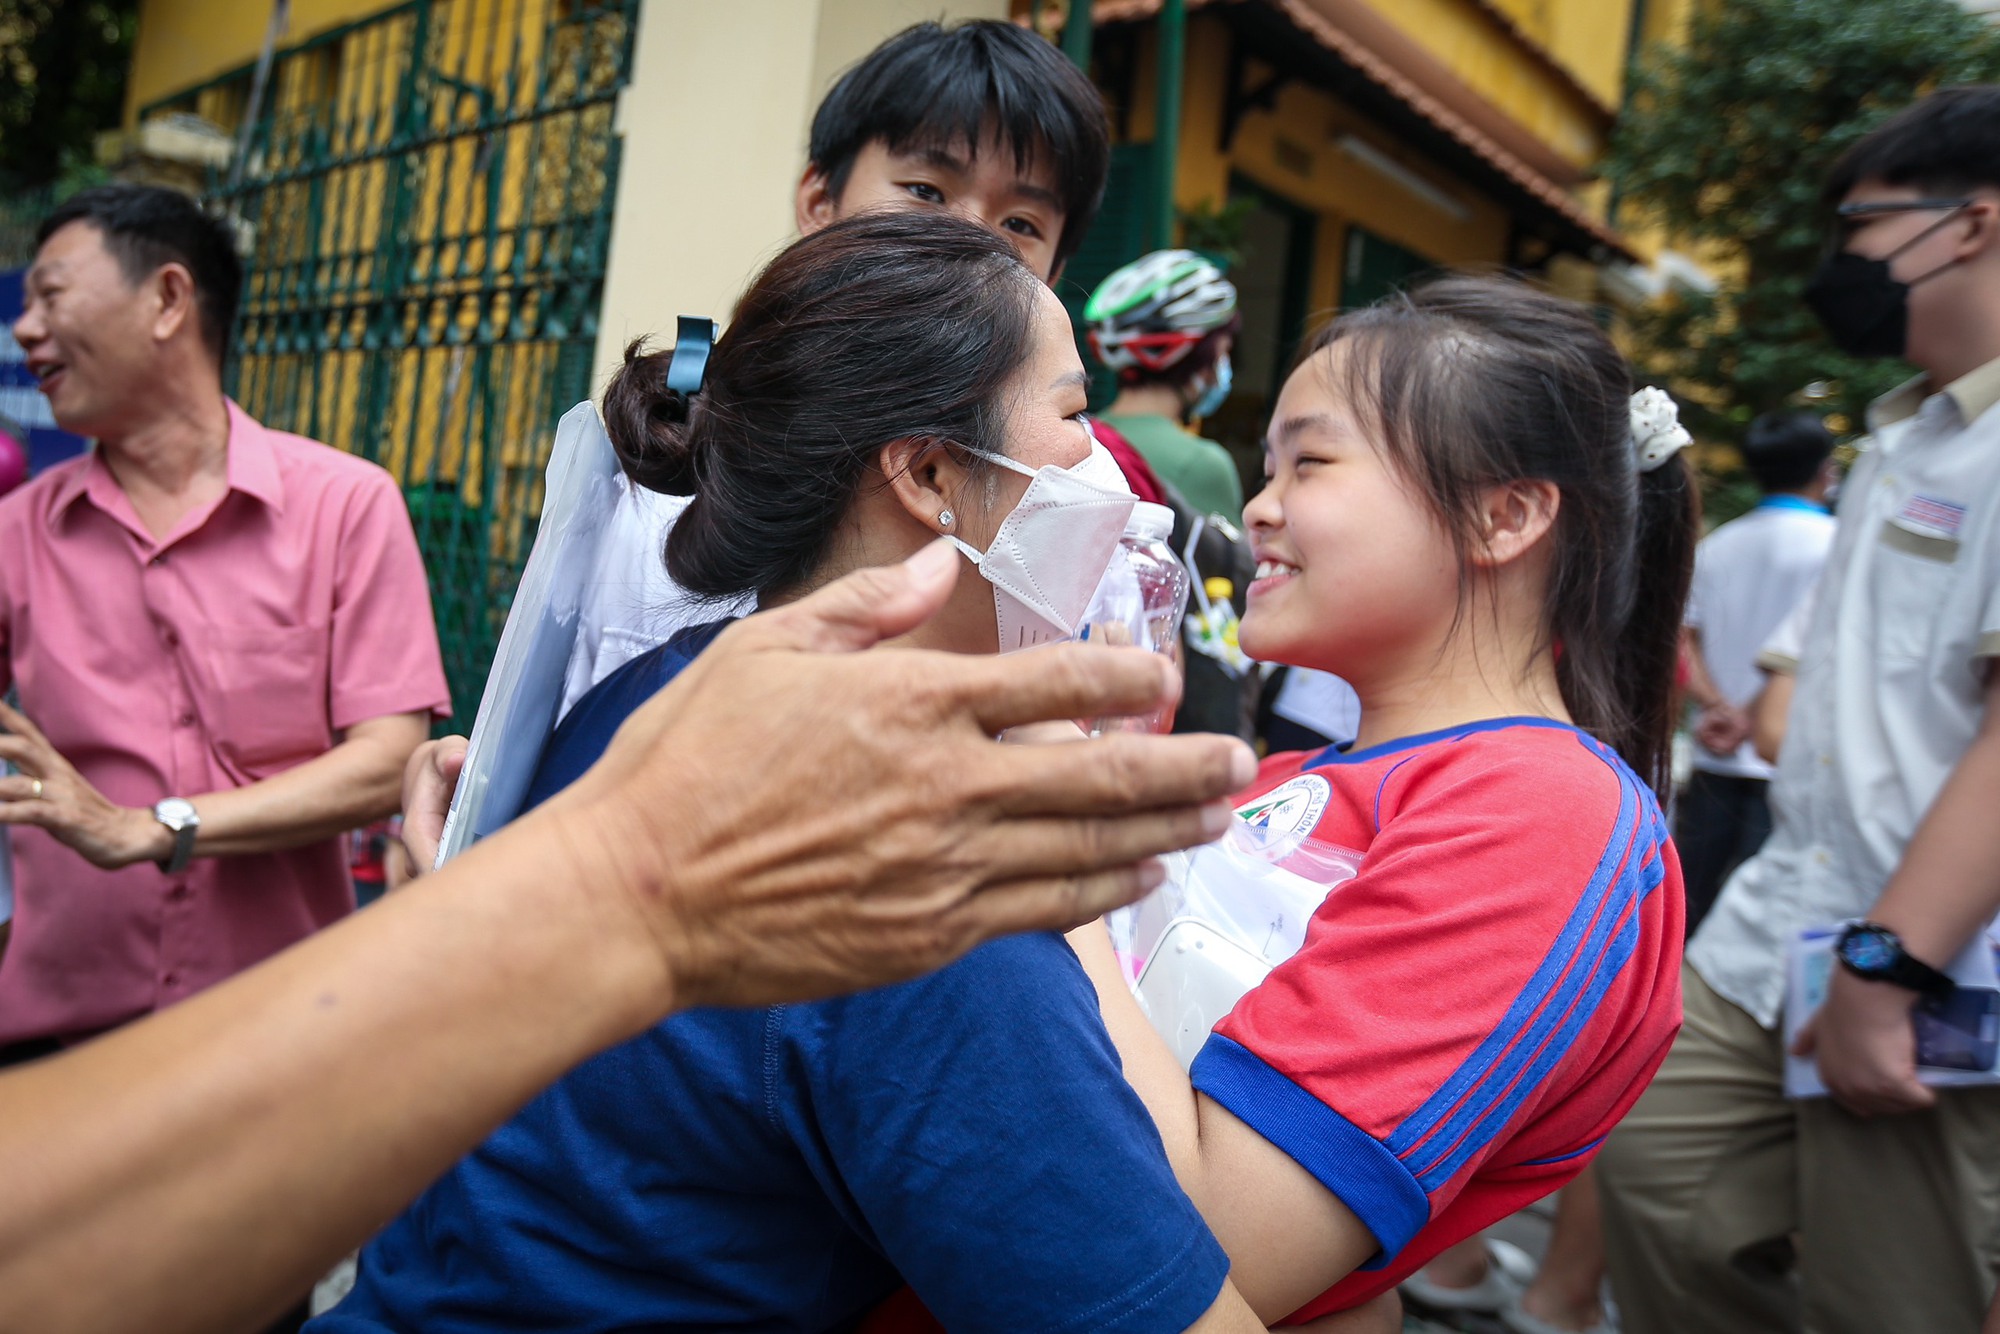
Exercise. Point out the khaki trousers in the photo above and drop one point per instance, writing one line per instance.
(1729, 1210)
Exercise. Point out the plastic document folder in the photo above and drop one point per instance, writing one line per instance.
(1227, 915)
(524, 690)
(1964, 1030)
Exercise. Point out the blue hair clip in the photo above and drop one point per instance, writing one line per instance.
(693, 341)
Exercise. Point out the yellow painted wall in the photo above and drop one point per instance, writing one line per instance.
(1589, 39)
(715, 126)
(1586, 37)
(1667, 20)
(183, 42)
(1295, 151)
(850, 29)
(712, 127)
(1666, 23)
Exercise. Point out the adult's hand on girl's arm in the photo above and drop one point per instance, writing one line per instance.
(788, 821)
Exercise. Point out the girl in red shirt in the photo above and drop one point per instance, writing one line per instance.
(1470, 517)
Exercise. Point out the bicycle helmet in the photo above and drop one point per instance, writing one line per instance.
(1152, 313)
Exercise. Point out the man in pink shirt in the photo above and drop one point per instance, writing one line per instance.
(221, 636)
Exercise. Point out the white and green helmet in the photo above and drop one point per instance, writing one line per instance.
(1153, 312)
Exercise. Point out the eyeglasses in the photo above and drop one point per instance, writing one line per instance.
(1852, 217)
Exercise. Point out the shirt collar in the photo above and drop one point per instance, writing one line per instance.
(1899, 404)
(76, 482)
(1976, 390)
(251, 467)
(253, 464)
(1971, 394)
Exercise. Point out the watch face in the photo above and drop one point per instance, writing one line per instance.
(1869, 951)
(174, 812)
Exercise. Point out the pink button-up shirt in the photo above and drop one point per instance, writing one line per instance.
(239, 646)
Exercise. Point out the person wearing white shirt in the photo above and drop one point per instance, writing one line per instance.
(1748, 575)
(1729, 1209)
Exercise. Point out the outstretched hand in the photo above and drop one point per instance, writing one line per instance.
(792, 818)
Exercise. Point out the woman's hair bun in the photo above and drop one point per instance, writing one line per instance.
(648, 423)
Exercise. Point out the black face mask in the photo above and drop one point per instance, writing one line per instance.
(1864, 310)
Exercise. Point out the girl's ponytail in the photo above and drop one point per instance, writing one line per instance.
(1647, 657)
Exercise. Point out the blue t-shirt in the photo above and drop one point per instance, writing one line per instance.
(786, 1169)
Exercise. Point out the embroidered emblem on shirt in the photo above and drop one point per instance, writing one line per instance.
(1931, 515)
(1293, 806)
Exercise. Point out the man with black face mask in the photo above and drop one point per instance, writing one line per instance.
(1886, 1196)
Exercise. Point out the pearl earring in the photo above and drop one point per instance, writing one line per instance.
(946, 518)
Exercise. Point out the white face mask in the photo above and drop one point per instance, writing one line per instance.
(1053, 548)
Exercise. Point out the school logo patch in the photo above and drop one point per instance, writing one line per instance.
(1928, 514)
(1292, 807)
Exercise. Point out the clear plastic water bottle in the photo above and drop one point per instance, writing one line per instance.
(1140, 602)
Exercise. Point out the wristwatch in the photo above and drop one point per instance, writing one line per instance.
(178, 815)
(1872, 951)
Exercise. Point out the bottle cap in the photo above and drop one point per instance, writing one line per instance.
(1217, 587)
(1151, 522)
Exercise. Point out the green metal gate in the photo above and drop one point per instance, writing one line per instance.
(427, 204)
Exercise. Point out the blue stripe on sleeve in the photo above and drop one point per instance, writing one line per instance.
(1602, 933)
(1354, 1165)
(1501, 1111)
(1566, 1157)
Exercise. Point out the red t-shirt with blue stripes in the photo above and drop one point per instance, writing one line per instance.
(1476, 1009)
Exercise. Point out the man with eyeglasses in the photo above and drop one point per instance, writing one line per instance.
(1884, 1198)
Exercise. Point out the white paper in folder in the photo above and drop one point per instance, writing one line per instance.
(524, 690)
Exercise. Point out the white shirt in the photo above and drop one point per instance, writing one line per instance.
(1748, 576)
(1892, 669)
(635, 605)
(1320, 701)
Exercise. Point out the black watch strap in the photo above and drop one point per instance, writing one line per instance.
(1872, 951)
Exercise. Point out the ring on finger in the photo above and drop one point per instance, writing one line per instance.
(37, 789)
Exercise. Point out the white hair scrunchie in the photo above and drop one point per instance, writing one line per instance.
(1657, 433)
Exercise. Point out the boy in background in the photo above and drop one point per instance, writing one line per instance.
(1748, 576)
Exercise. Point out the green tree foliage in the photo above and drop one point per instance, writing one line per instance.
(62, 79)
(1729, 140)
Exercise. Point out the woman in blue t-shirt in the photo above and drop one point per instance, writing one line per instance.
(886, 380)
